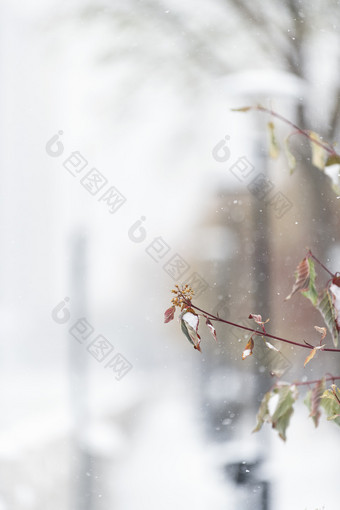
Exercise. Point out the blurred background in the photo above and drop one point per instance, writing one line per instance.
(123, 172)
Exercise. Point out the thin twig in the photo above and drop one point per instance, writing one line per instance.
(300, 383)
(326, 146)
(274, 337)
(321, 264)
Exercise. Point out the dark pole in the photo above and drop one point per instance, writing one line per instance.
(82, 496)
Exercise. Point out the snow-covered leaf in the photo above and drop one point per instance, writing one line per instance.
(276, 408)
(332, 169)
(271, 346)
(211, 327)
(248, 351)
(189, 325)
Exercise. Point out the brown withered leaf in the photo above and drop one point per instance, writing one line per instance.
(243, 109)
(323, 331)
(302, 275)
(317, 391)
(248, 351)
(169, 314)
(258, 320)
(310, 356)
(336, 279)
(312, 353)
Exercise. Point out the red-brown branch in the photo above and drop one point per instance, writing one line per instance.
(320, 263)
(328, 148)
(300, 383)
(265, 334)
(261, 333)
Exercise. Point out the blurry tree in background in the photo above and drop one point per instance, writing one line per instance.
(189, 47)
(186, 48)
(286, 35)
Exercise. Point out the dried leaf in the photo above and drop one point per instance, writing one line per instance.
(212, 329)
(290, 158)
(317, 391)
(328, 312)
(189, 325)
(319, 155)
(243, 109)
(323, 331)
(273, 146)
(313, 399)
(310, 356)
(302, 277)
(258, 320)
(285, 396)
(169, 314)
(248, 351)
(271, 346)
(312, 353)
